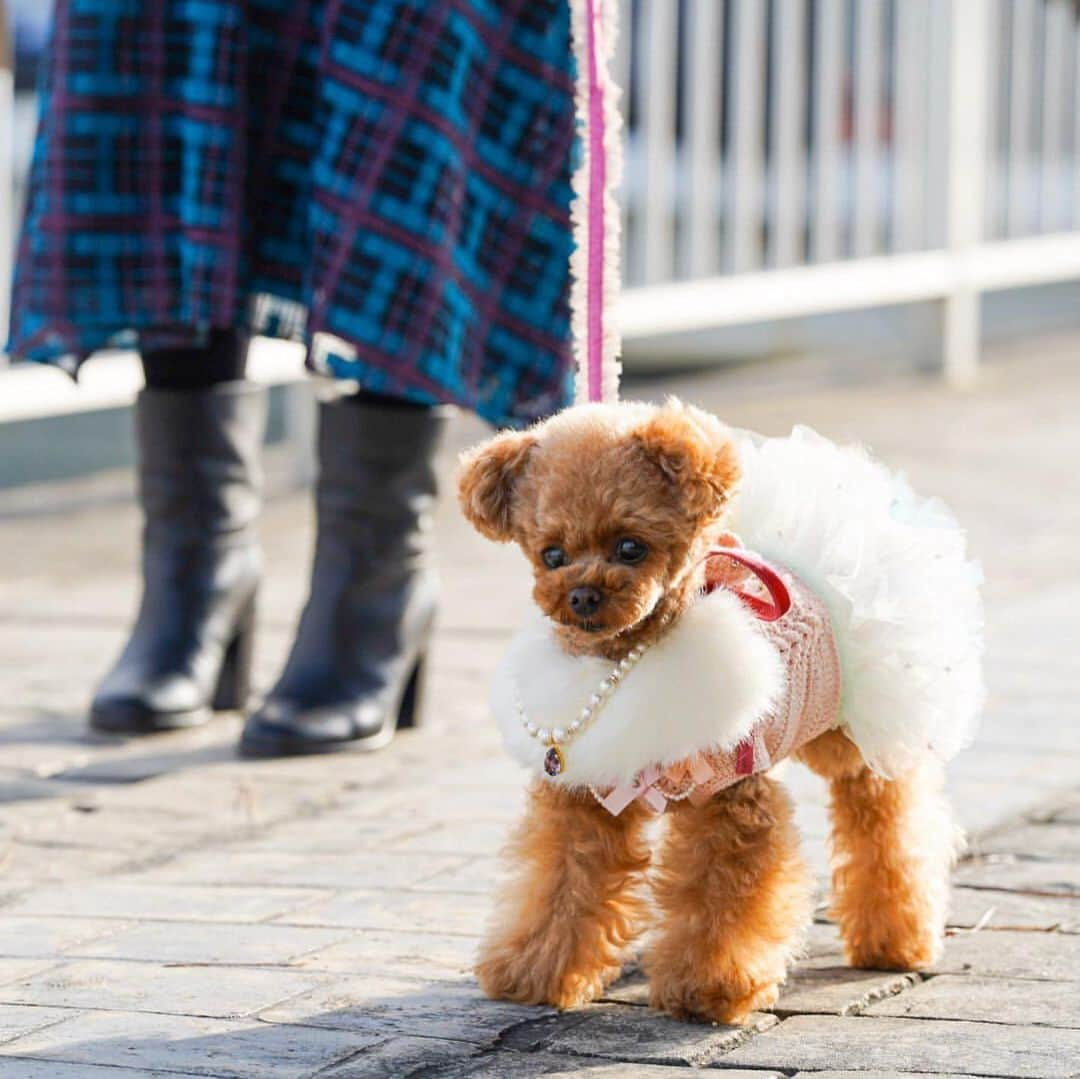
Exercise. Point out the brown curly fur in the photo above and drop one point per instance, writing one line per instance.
(564, 922)
(734, 897)
(583, 486)
(731, 887)
(893, 843)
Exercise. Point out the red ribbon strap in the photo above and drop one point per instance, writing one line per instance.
(779, 602)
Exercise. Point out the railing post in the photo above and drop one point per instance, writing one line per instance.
(969, 42)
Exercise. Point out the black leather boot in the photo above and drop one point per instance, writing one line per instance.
(356, 668)
(199, 483)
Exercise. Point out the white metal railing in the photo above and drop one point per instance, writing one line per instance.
(793, 157)
(824, 155)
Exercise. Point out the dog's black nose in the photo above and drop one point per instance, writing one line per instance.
(584, 601)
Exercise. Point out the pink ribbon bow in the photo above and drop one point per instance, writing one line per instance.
(641, 787)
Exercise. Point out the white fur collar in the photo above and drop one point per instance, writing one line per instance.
(704, 684)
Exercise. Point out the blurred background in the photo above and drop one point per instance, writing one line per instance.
(876, 185)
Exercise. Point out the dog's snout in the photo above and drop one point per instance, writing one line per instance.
(585, 600)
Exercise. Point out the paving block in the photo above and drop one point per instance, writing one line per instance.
(135, 898)
(18, 1019)
(17, 787)
(153, 987)
(971, 907)
(400, 1057)
(461, 837)
(40, 746)
(1035, 875)
(1053, 841)
(639, 1035)
(877, 1075)
(481, 876)
(191, 1046)
(823, 939)
(208, 942)
(1063, 809)
(395, 954)
(75, 823)
(986, 1000)
(508, 1065)
(13, 970)
(1006, 954)
(328, 834)
(234, 797)
(533, 1034)
(862, 1044)
(355, 869)
(29, 866)
(44, 938)
(430, 912)
(391, 1007)
(460, 805)
(838, 990)
(632, 987)
(22, 1068)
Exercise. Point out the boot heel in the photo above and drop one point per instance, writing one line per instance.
(234, 682)
(411, 710)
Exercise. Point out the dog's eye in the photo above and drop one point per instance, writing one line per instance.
(630, 551)
(553, 557)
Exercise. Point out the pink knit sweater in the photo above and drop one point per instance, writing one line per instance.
(797, 623)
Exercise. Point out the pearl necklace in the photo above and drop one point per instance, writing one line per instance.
(558, 737)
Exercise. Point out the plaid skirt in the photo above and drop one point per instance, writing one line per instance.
(387, 181)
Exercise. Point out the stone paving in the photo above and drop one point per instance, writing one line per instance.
(166, 909)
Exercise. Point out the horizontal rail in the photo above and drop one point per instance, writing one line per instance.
(826, 288)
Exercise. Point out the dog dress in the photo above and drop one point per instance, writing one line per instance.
(862, 613)
(797, 625)
(758, 640)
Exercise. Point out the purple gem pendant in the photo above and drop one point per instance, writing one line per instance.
(554, 761)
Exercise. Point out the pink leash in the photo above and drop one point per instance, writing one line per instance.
(594, 320)
(595, 264)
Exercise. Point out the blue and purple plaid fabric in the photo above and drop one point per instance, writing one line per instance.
(387, 180)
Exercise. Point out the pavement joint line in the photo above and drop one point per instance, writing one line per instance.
(1031, 893)
(237, 1017)
(6, 1040)
(349, 1056)
(105, 1068)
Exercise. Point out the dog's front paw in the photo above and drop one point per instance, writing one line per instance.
(718, 1002)
(541, 976)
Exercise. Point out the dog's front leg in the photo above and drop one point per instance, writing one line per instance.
(573, 904)
(735, 898)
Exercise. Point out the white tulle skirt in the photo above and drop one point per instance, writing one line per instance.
(893, 569)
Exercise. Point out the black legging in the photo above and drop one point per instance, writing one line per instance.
(224, 359)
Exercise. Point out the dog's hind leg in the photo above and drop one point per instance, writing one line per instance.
(893, 844)
(735, 898)
(574, 904)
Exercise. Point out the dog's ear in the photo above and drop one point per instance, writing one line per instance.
(486, 482)
(695, 453)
